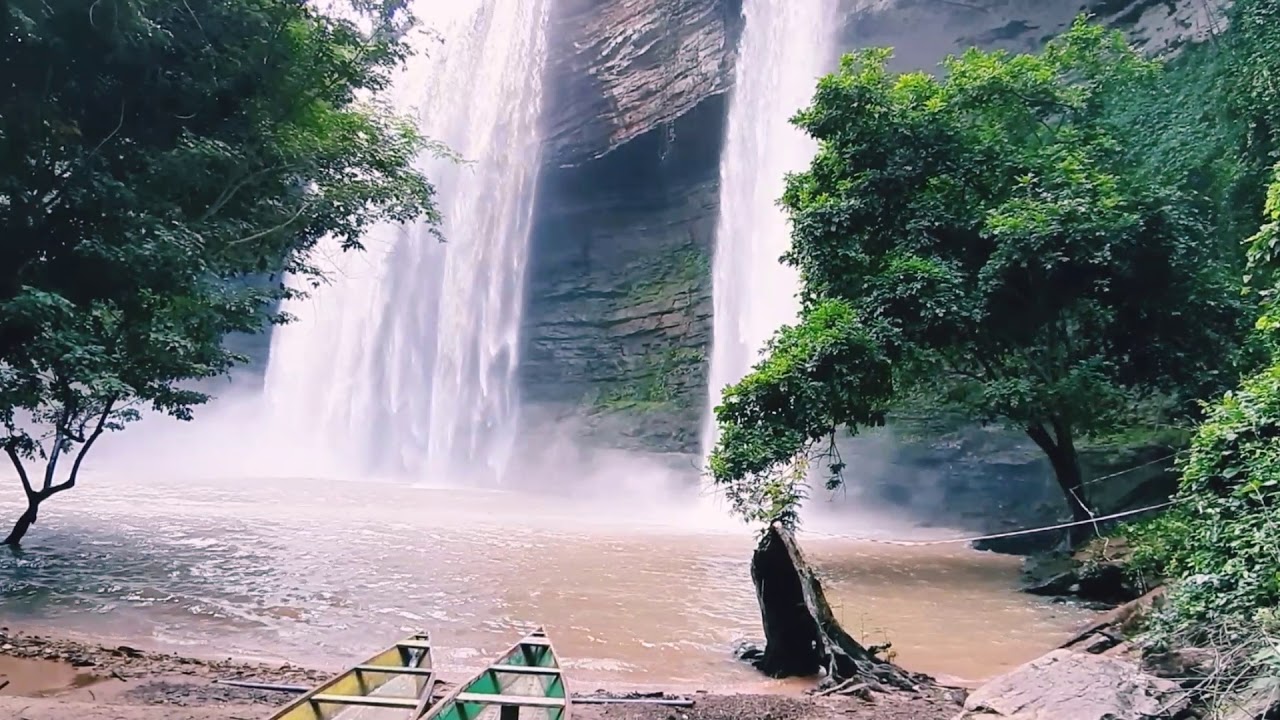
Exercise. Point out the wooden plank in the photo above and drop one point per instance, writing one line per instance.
(414, 644)
(367, 701)
(394, 670)
(526, 669)
(517, 700)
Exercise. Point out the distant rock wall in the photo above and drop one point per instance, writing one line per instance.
(619, 315)
(922, 32)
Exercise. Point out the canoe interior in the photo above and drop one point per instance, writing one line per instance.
(390, 694)
(525, 682)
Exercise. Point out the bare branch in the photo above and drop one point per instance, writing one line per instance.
(52, 200)
(70, 482)
(22, 470)
(277, 228)
(233, 188)
(61, 433)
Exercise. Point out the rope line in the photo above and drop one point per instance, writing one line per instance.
(1126, 472)
(994, 536)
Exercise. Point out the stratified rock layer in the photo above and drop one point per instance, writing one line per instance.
(620, 68)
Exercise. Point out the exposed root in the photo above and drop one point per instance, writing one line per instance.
(802, 635)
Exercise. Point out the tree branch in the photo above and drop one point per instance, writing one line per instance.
(61, 434)
(268, 231)
(232, 189)
(1040, 435)
(22, 471)
(70, 482)
(49, 202)
(1062, 433)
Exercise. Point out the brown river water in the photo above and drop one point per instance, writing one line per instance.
(636, 591)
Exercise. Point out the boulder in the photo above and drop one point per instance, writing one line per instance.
(1065, 685)
(1097, 572)
(1187, 665)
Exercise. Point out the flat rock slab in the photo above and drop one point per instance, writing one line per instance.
(1065, 685)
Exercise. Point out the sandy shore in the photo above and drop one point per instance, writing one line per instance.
(50, 678)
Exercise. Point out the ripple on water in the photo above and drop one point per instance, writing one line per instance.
(322, 572)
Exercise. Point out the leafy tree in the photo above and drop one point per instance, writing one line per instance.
(154, 157)
(985, 246)
(1218, 543)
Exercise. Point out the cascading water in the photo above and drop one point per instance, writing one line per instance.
(406, 362)
(786, 45)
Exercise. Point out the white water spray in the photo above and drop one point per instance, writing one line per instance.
(786, 45)
(406, 363)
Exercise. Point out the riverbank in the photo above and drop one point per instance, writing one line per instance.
(51, 678)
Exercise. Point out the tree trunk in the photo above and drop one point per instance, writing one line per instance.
(1066, 470)
(802, 636)
(1061, 450)
(24, 523)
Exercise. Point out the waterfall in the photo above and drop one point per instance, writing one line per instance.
(405, 362)
(786, 45)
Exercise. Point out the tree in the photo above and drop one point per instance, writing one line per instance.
(977, 240)
(163, 155)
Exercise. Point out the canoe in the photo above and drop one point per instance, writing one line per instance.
(397, 683)
(526, 677)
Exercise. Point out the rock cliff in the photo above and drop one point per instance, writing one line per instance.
(620, 68)
(617, 325)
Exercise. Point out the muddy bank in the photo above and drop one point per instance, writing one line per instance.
(64, 679)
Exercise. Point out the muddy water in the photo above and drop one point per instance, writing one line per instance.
(320, 572)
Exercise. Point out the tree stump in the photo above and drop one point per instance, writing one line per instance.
(802, 636)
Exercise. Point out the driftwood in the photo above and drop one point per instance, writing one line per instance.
(272, 687)
(802, 636)
(1114, 625)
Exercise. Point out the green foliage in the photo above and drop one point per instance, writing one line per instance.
(659, 384)
(992, 250)
(1264, 261)
(1219, 544)
(164, 154)
(1210, 128)
(826, 372)
(1252, 51)
(684, 272)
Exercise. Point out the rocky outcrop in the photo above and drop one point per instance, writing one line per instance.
(923, 31)
(1066, 685)
(620, 68)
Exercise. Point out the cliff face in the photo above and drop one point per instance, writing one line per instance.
(619, 311)
(617, 325)
(620, 68)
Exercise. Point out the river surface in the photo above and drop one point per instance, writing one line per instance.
(322, 572)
